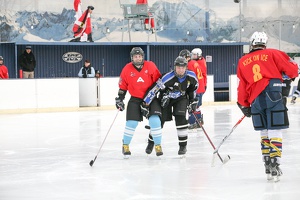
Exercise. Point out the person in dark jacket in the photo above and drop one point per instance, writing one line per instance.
(87, 71)
(27, 63)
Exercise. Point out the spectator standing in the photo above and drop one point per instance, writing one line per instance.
(27, 63)
(3, 69)
(87, 71)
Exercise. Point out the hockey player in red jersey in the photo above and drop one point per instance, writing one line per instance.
(136, 78)
(202, 79)
(194, 67)
(259, 95)
(201, 74)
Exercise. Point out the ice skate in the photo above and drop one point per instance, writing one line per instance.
(268, 168)
(196, 124)
(149, 147)
(182, 150)
(293, 101)
(158, 150)
(201, 120)
(192, 126)
(275, 170)
(125, 150)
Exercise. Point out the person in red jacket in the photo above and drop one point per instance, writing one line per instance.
(3, 69)
(137, 77)
(260, 95)
(146, 22)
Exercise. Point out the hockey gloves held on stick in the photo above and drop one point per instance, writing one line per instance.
(246, 110)
(165, 101)
(193, 105)
(120, 104)
(145, 109)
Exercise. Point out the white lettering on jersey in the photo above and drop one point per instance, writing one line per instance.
(140, 80)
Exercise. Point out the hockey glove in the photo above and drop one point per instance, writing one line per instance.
(246, 110)
(120, 104)
(193, 105)
(145, 109)
(165, 101)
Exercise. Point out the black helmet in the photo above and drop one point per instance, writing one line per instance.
(182, 62)
(185, 53)
(135, 51)
(1, 58)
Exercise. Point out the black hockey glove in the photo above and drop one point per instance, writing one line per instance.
(145, 109)
(246, 110)
(193, 105)
(84, 76)
(165, 101)
(120, 104)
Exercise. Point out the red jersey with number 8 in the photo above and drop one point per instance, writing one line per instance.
(257, 68)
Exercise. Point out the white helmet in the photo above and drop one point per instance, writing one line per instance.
(258, 38)
(198, 52)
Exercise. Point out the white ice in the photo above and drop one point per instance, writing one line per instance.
(45, 156)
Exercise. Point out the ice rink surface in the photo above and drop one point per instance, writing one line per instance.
(45, 156)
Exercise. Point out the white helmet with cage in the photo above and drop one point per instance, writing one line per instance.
(196, 53)
(258, 40)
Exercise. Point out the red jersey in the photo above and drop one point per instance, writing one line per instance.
(202, 66)
(194, 66)
(257, 68)
(141, 1)
(3, 72)
(138, 82)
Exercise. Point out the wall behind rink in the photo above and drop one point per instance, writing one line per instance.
(61, 94)
(65, 94)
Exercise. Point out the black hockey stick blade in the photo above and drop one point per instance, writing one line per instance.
(92, 161)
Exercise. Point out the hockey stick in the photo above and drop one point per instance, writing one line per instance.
(93, 161)
(227, 136)
(226, 159)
